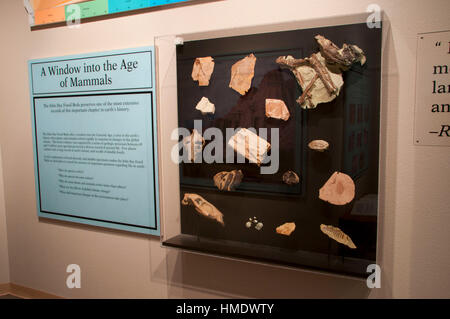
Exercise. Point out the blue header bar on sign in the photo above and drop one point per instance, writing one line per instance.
(109, 72)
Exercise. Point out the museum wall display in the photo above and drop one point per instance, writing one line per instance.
(323, 103)
(412, 204)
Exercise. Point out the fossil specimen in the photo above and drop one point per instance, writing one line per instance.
(228, 180)
(338, 190)
(277, 109)
(242, 73)
(286, 229)
(203, 207)
(318, 145)
(202, 70)
(205, 106)
(193, 144)
(291, 178)
(249, 145)
(342, 58)
(320, 75)
(259, 226)
(338, 235)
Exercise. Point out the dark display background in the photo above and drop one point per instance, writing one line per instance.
(350, 123)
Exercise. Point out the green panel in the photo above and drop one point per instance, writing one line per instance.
(89, 9)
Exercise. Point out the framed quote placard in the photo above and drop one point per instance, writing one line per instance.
(432, 117)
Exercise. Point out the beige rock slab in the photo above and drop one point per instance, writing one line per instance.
(338, 190)
(242, 73)
(205, 106)
(202, 70)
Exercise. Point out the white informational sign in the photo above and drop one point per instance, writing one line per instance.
(432, 115)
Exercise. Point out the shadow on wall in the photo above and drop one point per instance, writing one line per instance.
(234, 278)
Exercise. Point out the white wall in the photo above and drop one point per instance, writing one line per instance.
(4, 260)
(414, 201)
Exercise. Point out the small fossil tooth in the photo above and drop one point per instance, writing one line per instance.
(286, 229)
(277, 109)
(248, 224)
(291, 178)
(227, 181)
(338, 190)
(202, 70)
(205, 106)
(203, 207)
(242, 73)
(259, 226)
(319, 145)
(193, 145)
(249, 145)
(338, 235)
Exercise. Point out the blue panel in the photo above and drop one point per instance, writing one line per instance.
(115, 6)
(95, 141)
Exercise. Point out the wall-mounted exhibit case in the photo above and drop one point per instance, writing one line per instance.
(278, 143)
(94, 138)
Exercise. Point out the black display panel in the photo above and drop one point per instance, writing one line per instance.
(349, 123)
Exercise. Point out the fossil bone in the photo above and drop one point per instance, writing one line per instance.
(228, 180)
(318, 145)
(338, 190)
(277, 109)
(242, 73)
(193, 145)
(338, 235)
(202, 70)
(203, 207)
(291, 178)
(205, 106)
(320, 75)
(249, 145)
(286, 229)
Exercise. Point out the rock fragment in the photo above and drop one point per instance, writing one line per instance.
(338, 190)
(227, 181)
(277, 109)
(203, 207)
(286, 229)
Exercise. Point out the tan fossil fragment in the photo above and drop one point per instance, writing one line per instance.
(291, 178)
(193, 144)
(320, 75)
(203, 207)
(277, 109)
(202, 70)
(242, 73)
(286, 229)
(249, 145)
(227, 181)
(338, 235)
(338, 190)
(205, 106)
(319, 145)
